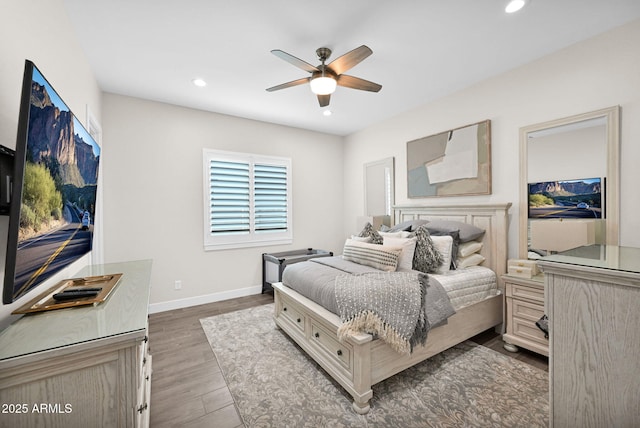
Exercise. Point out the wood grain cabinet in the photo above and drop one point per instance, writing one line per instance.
(593, 304)
(83, 366)
(525, 306)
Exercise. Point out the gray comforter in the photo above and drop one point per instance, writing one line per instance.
(316, 280)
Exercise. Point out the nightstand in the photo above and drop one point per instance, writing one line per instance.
(525, 306)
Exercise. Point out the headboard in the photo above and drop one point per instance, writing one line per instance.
(493, 218)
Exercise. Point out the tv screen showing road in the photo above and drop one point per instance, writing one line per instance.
(56, 189)
(566, 199)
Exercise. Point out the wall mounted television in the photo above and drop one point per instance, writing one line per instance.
(54, 189)
(581, 198)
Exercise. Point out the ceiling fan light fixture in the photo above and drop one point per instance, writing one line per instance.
(199, 83)
(323, 85)
(515, 5)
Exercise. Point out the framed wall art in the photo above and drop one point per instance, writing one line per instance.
(451, 163)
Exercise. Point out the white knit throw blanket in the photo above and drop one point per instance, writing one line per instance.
(390, 305)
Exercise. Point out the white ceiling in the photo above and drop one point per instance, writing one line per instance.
(422, 50)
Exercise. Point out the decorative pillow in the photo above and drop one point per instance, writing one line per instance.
(408, 246)
(468, 232)
(408, 226)
(377, 256)
(426, 257)
(362, 239)
(472, 260)
(400, 234)
(370, 231)
(456, 241)
(467, 248)
(444, 245)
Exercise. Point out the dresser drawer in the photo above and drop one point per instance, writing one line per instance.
(528, 330)
(340, 352)
(526, 310)
(518, 291)
(291, 313)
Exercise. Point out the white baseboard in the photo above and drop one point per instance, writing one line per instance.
(201, 300)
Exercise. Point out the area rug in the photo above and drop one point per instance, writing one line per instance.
(275, 384)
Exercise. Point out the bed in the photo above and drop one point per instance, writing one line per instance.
(360, 361)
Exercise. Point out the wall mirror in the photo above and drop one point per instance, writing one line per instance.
(379, 187)
(569, 183)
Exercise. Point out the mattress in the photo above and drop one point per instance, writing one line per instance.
(469, 285)
(315, 279)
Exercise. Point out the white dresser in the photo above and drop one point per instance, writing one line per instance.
(83, 366)
(593, 303)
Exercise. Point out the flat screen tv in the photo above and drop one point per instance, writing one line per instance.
(54, 189)
(580, 198)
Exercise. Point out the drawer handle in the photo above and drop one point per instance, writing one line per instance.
(299, 320)
(146, 339)
(284, 309)
(317, 335)
(146, 378)
(142, 408)
(339, 351)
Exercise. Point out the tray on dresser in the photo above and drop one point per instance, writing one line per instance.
(46, 302)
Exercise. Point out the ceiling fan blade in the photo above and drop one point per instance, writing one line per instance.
(350, 59)
(358, 83)
(289, 84)
(294, 61)
(324, 100)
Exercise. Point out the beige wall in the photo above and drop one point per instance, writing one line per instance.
(598, 73)
(40, 31)
(153, 195)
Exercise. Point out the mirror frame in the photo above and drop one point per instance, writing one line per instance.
(612, 196)
(388, 193)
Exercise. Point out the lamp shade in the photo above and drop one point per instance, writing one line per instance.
(561, 235)
(323, 85)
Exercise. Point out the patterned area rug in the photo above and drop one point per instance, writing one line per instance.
(275, 384)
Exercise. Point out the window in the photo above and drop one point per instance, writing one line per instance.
(247, 200)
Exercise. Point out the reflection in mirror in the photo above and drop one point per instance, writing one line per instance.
(569, 183)
(379, 187)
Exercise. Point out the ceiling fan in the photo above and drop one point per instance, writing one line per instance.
(325, 77)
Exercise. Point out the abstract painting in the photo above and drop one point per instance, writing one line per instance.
(452, 163)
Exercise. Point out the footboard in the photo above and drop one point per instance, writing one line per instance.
(314, 329)
(360, 362)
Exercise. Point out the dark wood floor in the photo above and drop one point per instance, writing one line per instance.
(187, 386)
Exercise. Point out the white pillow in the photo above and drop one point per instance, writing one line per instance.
(408, 246)
(472, 260)
(467, 248)
(377, 256)
(362, 238)
(444, 245)
(399, 234)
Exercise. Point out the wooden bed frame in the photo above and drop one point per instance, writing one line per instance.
(360, 362)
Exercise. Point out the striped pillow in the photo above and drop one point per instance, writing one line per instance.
(377, 256)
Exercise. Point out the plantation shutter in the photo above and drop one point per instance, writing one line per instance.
(270, 197)
(230, 196)
(247, 200)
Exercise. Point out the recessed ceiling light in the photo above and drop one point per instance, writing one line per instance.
(515, 5)
(327, 112)
(199, 82)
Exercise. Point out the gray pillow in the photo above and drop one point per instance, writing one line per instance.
(468, 232)
(408, 226)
